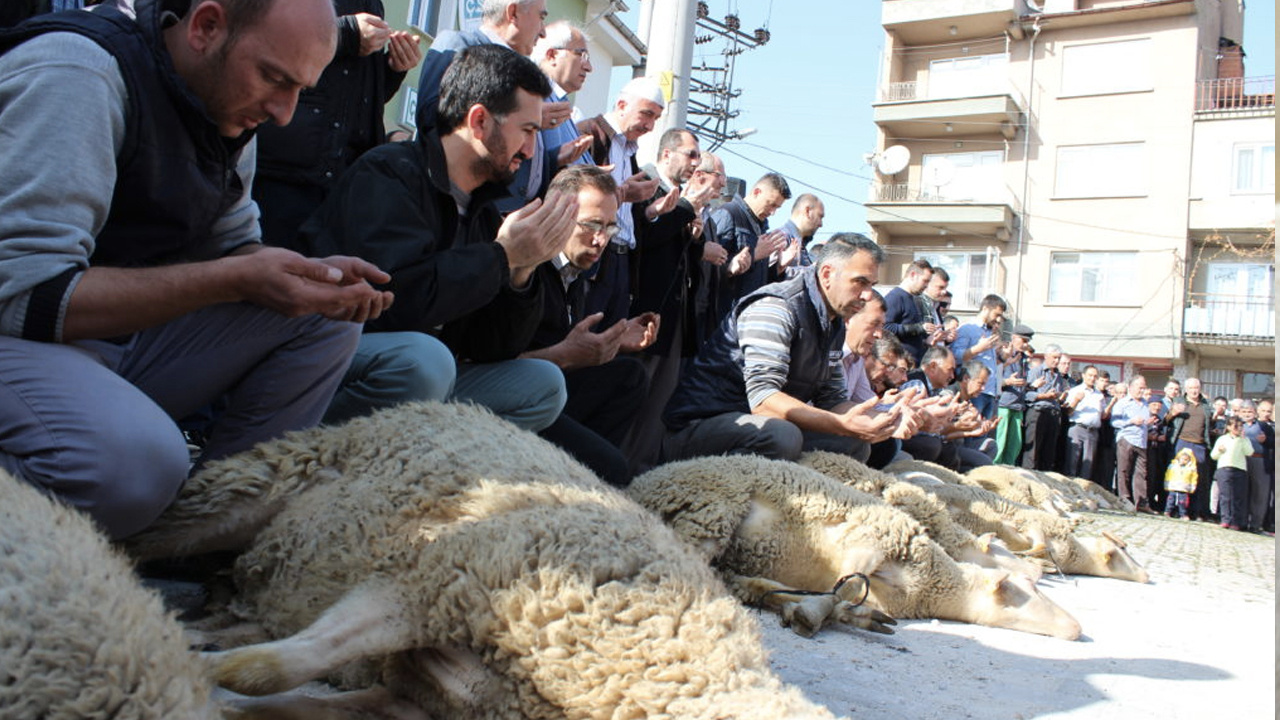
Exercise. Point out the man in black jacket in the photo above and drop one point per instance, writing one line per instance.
(463, 277)
(605, 389)
(337, 121)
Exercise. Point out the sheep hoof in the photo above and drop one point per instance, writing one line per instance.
(806, 616)
(251, 671)
(861, 616)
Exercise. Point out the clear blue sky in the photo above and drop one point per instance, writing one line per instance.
(808, 93)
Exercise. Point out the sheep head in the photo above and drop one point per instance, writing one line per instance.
(997, 598)
(1108, 556)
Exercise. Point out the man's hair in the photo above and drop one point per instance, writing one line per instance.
(1173, 381)
(843, 246)
(708, 162)
(576, 177)
(242, 15)
(1085, 369)
(1135, 377)
(888, 348)
(974, 368)
(804, 201)
(487, 75)
(919, 266)
(774, 181)
(993, 301)
(876, 298)
(1053, 348)
(493, 10)
(935, 353)
(1216, 399)
(939, 271)
(1247, 405)
(558, 35)
(672, 138)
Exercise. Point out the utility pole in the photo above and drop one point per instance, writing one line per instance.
(670, 44)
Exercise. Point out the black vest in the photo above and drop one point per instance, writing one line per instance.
(714, 383)
(175, 174)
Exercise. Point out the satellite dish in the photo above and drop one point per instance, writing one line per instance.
(893, 160)
(939, 172)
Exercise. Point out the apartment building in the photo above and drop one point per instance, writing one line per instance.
(1100, 164)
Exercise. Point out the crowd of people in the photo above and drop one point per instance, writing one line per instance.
(220, 270)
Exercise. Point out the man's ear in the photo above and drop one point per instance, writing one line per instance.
(478, 120)
(510, 12)
(206, 26)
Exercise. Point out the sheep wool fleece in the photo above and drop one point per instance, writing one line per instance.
(79, 636)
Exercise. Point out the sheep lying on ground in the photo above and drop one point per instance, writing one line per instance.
(1023, 486)
(486, 574)
(955, 539)
(1033, 531)
(1098, 496)
(79, 636)
(774, 526)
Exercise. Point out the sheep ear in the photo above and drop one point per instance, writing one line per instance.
(996, 584)
(1114, 539)
(984, 541)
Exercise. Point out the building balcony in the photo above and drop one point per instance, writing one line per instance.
(925, 22)
(1217, 319)
(1237, 96)
(898, 209)
(906, 111)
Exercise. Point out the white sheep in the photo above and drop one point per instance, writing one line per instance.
(773, 526)
(488, 575)
(79, 635)
(958, 542)
(1022, 486)
(1095, 494)
(1031, 530)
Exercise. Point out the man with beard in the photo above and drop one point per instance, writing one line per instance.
(770, 381)
(463, 277)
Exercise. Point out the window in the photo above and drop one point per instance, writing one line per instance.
(1095, 278)
(963, 176)
(970, 281)
(1110, 67)
(1254, 168)
(1098, 171)
(425, 14)
(968, 76)
(1258, 385)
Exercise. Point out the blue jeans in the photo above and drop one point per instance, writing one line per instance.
(94, 422)
(1178, 501)
(395, 367)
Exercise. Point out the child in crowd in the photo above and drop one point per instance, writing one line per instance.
(1179, 482)
(1231, 451)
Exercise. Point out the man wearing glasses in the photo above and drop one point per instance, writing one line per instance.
(605, 391)
(770, 381)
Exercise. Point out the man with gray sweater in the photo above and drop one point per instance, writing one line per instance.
(134, 290)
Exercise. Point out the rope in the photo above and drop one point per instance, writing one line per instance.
(866, 589)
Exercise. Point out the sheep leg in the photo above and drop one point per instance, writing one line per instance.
(369, 620)
(371, 704)
(807, 613)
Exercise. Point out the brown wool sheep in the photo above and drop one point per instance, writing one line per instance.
(486, 574)
(958, 542)
(773, 526)
(79, 635)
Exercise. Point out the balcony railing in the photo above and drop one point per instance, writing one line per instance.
(910, 90)
(915, 193)
(1229, 319)
(1223, 94)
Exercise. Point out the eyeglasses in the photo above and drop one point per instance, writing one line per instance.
(609, 231)
(583, 53)
(691, 154)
